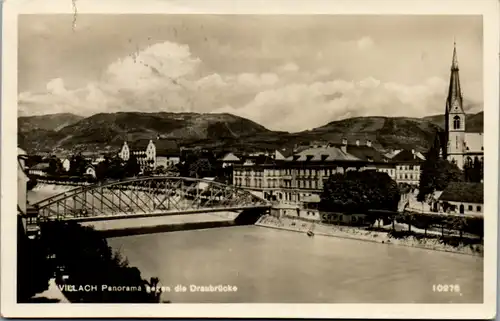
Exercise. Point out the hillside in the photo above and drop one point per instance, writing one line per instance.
(107, 131)
(473, 122)
(52, 122)
(383, 132)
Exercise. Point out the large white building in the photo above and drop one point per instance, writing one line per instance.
(151, 153)
(461, 146)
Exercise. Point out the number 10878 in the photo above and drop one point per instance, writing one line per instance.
(445, 288)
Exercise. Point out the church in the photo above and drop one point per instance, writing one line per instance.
(461, 147)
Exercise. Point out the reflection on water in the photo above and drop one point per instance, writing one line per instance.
(274, 266)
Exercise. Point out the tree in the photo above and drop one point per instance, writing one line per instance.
(86, 259)
(132, 167)
(199, 164)
(77, 165)
(33, 271)
(358, 192)
(55, 166)
(116, 169)
(31, 183)
(101, 170)
(436, 173)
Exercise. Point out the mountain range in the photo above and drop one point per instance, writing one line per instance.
(107, 131)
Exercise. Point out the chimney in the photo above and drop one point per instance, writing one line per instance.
(344, 145)
(357, 142)
(369, 143)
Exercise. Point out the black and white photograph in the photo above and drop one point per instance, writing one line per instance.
(257, 157)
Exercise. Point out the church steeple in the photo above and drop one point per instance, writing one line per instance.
(454, 100)
(455, 116)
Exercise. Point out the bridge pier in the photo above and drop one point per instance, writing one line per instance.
(250, 216)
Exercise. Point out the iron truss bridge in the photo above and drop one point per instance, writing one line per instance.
(146, 196)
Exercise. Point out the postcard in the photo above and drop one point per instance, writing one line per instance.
(303, 159)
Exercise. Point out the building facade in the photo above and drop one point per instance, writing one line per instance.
(462, 198)
(407, 166)
(302, 175)
(461, 146)
(151, 153)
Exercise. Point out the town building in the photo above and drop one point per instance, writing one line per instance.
(229, 159)
(300, 176)
(462, 198)
(66, 164)
(151, 153)
(461, 145)
(90, 171)
(407, 165)
(39, 169)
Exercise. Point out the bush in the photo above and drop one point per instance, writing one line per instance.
(358, 192)
(85, 257)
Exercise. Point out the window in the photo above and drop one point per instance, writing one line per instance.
(456, 122)
(478, 208)
(470, 207)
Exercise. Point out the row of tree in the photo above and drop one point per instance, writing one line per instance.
(377, 196)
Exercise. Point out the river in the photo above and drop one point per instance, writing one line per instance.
(275, 266)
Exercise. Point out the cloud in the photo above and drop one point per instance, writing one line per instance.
(297, 107)
(291, 67)
(149, 80)
(365, 43)
(167, 77)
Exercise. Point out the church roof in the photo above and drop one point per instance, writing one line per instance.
(454, 90)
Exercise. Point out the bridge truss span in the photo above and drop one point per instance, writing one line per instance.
(146, 196)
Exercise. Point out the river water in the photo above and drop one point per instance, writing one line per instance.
(275, 266)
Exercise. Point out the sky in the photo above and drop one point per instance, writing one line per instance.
(289, 73)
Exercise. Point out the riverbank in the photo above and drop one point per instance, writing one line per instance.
(360, 234)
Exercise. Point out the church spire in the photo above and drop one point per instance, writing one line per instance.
(454, 99)
(454, 64)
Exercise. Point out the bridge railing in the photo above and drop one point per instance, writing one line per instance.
(147, 195)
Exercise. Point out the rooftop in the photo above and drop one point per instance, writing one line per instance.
(163, 146)
(408, 156)
(324, 153)
(41, 166)
(463, 192)
(230, 157)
